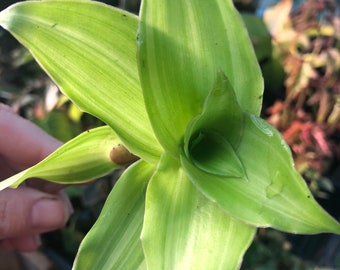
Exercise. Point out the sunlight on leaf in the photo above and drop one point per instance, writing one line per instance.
(184, 230)
(179, 56)
(90, 52)
(117, 231)
(211, 171)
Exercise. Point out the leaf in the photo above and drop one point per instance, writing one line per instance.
(114, 241)
(221, 113)
(89, 50)
(259, 35)
(212, 153)
(184, 230)
(212, 136)
(275, 195)
(81, 159)
(181, 47)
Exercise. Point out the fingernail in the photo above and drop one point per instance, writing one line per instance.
(67, 202)
(49, 214)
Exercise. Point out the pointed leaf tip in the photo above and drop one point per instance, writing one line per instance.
(81, 159)
(212, 137)
(275, 195)
(179, 56)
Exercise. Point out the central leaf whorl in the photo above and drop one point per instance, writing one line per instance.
(213, 136)
(212, 153)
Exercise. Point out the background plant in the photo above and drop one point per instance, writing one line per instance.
(307, 45)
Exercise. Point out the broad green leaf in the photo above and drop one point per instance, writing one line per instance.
(181, 47)
(81, 159)
(184, 230)
(89, 50)
(275, 194)
(212, 136)
(114, 240)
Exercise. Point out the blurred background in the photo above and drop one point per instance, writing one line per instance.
(297, 46)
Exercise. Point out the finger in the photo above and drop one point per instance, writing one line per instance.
(22, 143)
(5, 168)
(26, 211)
(43, 185)
(24, 244)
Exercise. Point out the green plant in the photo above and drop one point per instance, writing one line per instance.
(210, 170)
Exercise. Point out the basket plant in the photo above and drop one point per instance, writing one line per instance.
(180, 90)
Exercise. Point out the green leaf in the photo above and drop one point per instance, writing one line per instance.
(275, 195)
(81, 159)
(182, 46)
(184, 230)
(89, 50)
(114, 241)
(221, 113)
(260, 36)
(212, 136)
(212, 153)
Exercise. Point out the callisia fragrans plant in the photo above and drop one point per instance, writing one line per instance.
(179, 87)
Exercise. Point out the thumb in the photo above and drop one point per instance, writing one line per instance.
(25, 211)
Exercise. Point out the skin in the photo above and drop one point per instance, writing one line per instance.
(36, 206)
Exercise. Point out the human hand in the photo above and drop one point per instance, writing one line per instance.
(37, 207)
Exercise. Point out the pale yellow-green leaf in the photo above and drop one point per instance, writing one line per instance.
(82, 159)
(212, 137)
(274, 195)
(114, 243)
(182, 46)
(89, 50)
(184, 230)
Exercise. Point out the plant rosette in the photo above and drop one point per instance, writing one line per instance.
(179, 87)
